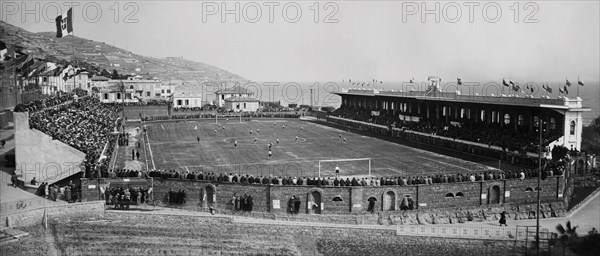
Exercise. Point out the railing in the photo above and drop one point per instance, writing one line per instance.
(483, 231)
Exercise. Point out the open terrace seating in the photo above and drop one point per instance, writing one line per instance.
(84, 124)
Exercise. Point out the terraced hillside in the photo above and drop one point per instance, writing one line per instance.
(100, 55)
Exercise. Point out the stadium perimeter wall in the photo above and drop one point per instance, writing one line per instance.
(480, 200)
(28, 217)
(38, 155)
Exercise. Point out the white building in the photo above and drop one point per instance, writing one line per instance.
(114, 94)
(236, 91)
(241, 104)
(187, 99)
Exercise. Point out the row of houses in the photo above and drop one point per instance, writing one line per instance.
(51, 78)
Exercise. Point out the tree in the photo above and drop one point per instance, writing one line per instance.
(559, 152)
(567, 232)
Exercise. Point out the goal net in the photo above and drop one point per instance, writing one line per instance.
(228, 118)
(345, 167)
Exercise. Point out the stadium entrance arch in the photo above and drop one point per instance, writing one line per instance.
(314, 202)
(494, 194)
(389, 201)
(208, 196)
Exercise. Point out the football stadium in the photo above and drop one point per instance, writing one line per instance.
(104, 151)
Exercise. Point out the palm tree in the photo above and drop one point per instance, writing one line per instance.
(568, 233)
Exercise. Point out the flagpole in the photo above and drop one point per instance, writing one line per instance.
(578, 86)
(73, 45)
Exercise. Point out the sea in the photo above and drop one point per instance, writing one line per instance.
(323, 93)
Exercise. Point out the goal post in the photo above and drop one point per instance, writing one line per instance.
(226, 116)
(345, 160)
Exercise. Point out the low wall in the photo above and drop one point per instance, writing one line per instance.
(480, 201)
(30, 217)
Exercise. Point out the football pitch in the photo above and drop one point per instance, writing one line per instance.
(207, 146)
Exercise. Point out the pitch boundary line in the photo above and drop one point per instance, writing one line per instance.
(150, 149)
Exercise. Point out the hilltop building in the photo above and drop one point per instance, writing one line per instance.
(236, 91)
(187, 99)
(241, 104)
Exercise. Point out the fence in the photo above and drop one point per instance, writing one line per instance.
(483, 231)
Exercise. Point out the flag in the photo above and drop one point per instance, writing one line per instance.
(566, 91)
(548, 89)
(412, 80)
(568, 83)
(3, 51)
(531, 89)
(64, 24)
(560, 90)
(458, 81)
(505, 83)
(579, 82)
(511, 82)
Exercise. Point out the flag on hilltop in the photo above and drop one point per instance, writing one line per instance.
(64, 24)
(568, 83)
(505, 83)
(3, 51)
(511, 82)
(560, 90)
(579, 82)
(566, 91)
(459, 81)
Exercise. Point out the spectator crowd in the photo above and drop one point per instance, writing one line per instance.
(84, 124)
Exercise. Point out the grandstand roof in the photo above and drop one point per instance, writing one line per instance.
(511, 100)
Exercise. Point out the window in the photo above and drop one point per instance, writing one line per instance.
(157, 94)
(148, 94)
(572, 130)
(552, 123)
(244, 105)
(131, 87)
(168, 90)
(529, 190)
(520, 120)
(45, 79)
(536, 121)
(118, 96)
(482, 115)
(338, 199)
(187, 102)
(178, 102)
(459, 194)
(222, 96)
(162, 91)
(106, 96)
(449, 195)
(506, 119)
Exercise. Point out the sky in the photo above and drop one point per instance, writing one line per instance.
(335, 40)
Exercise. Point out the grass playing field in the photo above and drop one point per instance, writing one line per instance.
(175, 145)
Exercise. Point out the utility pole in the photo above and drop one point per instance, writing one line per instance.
(537, 214)
(311, 98)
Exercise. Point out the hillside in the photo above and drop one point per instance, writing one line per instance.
(100, 55)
